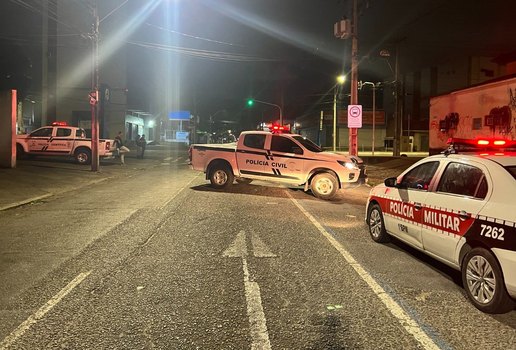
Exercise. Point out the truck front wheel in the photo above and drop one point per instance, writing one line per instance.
(83, 156)
(221, 176)
(324, 186)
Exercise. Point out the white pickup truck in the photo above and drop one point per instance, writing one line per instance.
(60, 140)
(283, 158)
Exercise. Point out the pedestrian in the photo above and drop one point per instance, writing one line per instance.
(120, 148)
(138, 147)
(143, 144)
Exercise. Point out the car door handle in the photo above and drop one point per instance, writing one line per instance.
(463, 215)
(418, 206)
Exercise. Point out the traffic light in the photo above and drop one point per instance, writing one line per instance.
(250, 102)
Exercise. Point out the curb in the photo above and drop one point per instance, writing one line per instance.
(25, 201)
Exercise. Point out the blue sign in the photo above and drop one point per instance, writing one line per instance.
(179, 115)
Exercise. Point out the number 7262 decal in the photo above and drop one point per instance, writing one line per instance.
(494, 232)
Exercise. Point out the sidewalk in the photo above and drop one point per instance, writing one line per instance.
(44, 177)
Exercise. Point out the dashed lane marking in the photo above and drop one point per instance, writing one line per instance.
(410, 325)
(38, 315)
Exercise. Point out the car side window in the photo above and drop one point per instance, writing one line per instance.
(44, 132)
(463, 179)
(62, 132)
(419, 177)
(283, 144)
(254, 141)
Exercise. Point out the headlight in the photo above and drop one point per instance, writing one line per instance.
(348, 165)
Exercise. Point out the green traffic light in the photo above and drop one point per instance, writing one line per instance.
(250, 102)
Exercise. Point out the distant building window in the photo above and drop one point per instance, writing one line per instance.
(477, 123)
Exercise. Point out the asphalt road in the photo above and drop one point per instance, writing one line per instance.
(159, 260)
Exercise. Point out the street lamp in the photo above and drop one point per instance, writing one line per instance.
(251, 101)
(340, 80)
(375, 86)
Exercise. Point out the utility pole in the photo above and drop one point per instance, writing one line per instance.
(397, 118)
(94, 94)
(353, 132)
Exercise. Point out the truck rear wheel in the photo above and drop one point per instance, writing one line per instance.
(83, 156)
(324, 186)
(20, 153)
(221, 176)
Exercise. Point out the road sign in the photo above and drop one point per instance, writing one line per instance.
(354, 116)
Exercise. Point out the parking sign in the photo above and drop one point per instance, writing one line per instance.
(354, 116)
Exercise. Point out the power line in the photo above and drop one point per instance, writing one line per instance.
(213, 55)
(191, 36)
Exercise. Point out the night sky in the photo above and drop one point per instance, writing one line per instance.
(281, 51)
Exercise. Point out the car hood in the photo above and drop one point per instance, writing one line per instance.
(338, 156)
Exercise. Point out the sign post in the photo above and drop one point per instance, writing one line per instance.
(354, 116)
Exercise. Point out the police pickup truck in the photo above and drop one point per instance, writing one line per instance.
(59, 139)
(282, 158)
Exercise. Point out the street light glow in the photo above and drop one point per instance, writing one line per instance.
(341, 79)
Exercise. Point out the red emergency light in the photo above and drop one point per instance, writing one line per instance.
(277, 129)
(59, 124)
(482, 144)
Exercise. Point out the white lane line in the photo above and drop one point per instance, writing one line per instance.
(395, 309)
(177, 160)
(38, 315)
(175, 194)
(257, 322)
(168, 158)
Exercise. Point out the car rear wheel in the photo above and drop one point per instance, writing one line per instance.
(483, 280)
(376, 224)
(221, 176)
(324, 186)
(83, 156)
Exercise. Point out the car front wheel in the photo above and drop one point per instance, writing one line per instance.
(483, 280)
(324, 186)
(376, 224)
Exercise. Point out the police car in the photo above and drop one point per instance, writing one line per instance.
(459, 208)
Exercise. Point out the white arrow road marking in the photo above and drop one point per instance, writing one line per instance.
(38, 315)
(410, 325)
(260, 250)
(257, 321)
(238, 248)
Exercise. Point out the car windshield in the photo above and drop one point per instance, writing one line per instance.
(512, 169)
(309, 145)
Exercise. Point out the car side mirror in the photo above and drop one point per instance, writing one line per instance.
(390, 182)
